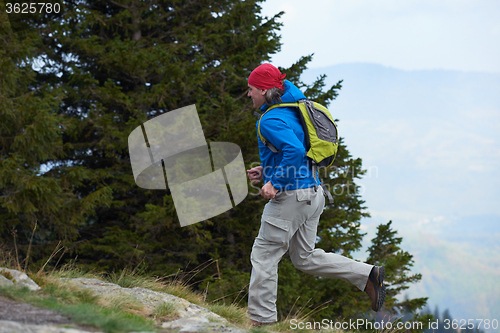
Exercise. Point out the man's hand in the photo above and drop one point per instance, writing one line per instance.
(255, 174)
(268, 191)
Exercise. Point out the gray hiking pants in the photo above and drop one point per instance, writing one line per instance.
(290, 222)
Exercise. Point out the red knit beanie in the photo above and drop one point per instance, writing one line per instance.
(266, 76)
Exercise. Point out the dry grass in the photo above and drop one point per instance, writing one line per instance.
(7, 258)
(178, 286)
(123, 302)
(165, 312)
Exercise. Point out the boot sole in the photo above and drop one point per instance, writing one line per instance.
(380, 289)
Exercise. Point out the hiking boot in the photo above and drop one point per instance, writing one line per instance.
(255, 323)
(375, 287)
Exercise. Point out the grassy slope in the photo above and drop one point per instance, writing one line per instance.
(126, 314)
(117, 315)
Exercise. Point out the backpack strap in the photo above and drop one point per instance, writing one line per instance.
(325, 189)
(327, 193)
(264, 141)
(301, 117)
(306, 139)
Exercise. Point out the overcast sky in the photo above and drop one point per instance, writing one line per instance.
(411, 34)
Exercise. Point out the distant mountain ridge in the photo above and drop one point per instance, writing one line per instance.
(431, 140)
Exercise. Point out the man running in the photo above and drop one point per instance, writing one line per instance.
(290, 219)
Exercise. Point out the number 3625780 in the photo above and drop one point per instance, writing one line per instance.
(25, 8)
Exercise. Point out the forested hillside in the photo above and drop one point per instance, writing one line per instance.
(75, 83)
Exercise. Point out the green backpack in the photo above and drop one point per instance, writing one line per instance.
(321, 135)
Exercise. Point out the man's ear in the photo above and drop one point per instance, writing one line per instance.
(263, 92)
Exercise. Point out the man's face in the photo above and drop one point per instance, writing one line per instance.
(257, 96)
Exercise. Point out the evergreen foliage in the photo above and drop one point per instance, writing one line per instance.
(105, 67)
(386, 251)
(31, 140)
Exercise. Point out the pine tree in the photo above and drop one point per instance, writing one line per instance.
(447, 321)
(437, 317)
(386, 251)
(31, 140)
(120, 64)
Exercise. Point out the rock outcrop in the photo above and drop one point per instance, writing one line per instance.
(13, 276)
(188, 317)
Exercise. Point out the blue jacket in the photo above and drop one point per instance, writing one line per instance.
(288, 169)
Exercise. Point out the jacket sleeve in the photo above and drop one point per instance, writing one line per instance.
(282, 136)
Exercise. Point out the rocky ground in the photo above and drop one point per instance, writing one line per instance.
(17, 317)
